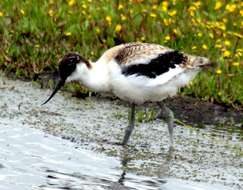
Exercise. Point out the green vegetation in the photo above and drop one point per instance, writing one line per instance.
(36, 34)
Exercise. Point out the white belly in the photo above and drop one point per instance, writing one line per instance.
(140, 89)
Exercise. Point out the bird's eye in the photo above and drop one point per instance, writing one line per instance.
(72, 60)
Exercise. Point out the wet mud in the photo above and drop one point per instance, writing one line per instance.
(194, 111)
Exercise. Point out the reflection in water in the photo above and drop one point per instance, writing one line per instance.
(154, 183)
(30, 159)
(33, 160)
(164, 168)
(124, 161)
(122, 181)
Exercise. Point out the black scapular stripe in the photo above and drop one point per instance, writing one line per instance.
(156, 66)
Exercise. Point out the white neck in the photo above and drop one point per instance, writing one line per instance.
(96, 78)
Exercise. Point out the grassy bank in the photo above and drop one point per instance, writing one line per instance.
(35, 34)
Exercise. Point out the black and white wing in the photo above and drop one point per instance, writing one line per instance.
(150, 60)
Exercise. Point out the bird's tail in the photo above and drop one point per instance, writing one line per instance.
(199, 62)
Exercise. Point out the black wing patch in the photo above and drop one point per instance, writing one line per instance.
(156, 66)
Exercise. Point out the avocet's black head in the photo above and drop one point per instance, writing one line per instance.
(67, 67)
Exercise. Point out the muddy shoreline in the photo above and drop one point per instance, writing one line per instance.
(189, 110)
(200, 155)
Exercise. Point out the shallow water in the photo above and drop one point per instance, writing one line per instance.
(202, 159)
(31, 159)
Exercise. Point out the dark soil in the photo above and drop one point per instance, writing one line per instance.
(194, 111)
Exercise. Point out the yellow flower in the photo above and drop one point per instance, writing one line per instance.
(218, 5)
(131, 11)
(84, 6)
(194, 22)
(1, 14)
(120, 6)
(176, 31)
(199, 34)
(165, 6)
(192, 10)
(123, 17)
(227, 43)
(226, 53)
(230, 7)
(83, 12)
(154, 7)
(67, 33)
(22, 11)
(219, 25)
(222, 27)
(51, 13)
(218, 71)
(71, 2)
(236, 64)
(239, 52)
(241, 12)
(108, 19)
(172, 13)
(197, 4)
(211, 35)
(204, 46)
(194, 47)
(225, 20)
(167, 22)
(218, 46)
(97, 30)
(167, 38)
(153, 15)
(118, 28)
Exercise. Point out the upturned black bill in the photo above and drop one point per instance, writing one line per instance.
(59, 85)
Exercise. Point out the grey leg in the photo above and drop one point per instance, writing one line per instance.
(168, 116)
(130, 127)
